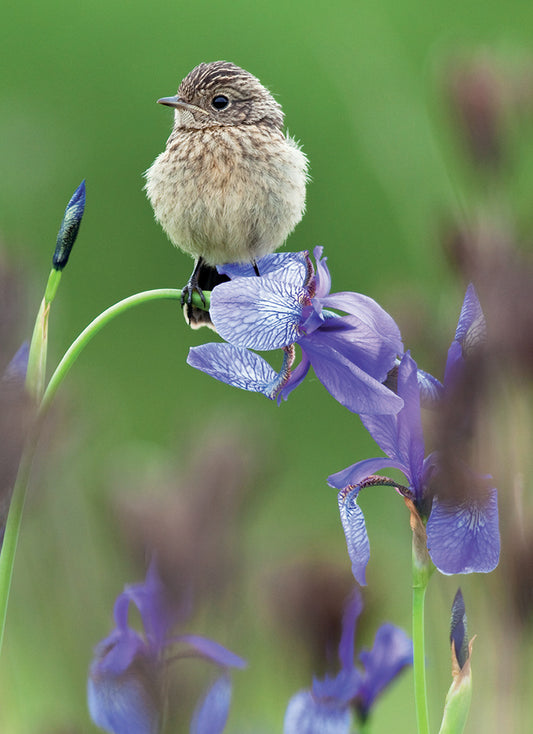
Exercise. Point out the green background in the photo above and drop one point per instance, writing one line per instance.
(361, 85)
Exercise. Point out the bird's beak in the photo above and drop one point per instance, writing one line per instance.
(179, 103)
(174, 101)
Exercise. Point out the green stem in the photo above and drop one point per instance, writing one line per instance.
(14, 518)
(79, 344)
(36, 367)
(36, 370)
(12, 529)
(54, 280)
(421, 574)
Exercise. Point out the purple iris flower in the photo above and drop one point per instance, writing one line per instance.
(462, 532)
(327, 707)
(126, 676)
(212, 712)
(471, 332)
(291, 304)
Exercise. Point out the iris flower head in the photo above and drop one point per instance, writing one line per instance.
(328, 706)
(125, 688)
(462, 530)
(291, 304)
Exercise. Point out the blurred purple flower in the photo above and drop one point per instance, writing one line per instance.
(392, 651)
(327, 707)
(471, 332)
(212, 712)
(15, 372)
(462, 529)
(290, 304)
(125, 687)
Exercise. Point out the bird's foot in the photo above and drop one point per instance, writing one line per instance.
(194, 315)
(188, 291)
(204, 277)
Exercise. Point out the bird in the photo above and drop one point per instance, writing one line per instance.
(230, 185)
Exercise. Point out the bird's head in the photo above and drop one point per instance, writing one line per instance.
(222, 94)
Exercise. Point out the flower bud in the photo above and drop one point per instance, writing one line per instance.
(460, 692)
(458, 631)
(69, 227)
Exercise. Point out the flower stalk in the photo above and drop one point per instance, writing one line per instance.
(421, 573)
(419, 664)
(34, 384)
(36, 371)
(12, 529)
(90, 331)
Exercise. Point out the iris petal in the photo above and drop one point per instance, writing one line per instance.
(234, 366)
(369, 312)
(213, 651)
(353, 523)
(211, 715)
(465, 538)
(297, 376)
(122, 705)
(359, 343)
(350, 385)
(306, 715)
(323, 278)
(354, 474)
(471, 327)
(258, 313)
(349, 620)
(289, 266)
(392, 651)
(400, 436)
(431, 389)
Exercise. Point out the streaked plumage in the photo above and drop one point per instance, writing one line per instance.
(230, 185)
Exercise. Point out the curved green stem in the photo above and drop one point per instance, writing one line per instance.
(14, 519)
(79, 344)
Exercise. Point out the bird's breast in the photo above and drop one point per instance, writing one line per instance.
(228, 193)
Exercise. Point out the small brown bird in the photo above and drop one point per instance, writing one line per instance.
(230, 185)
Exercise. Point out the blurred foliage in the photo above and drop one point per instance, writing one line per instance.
(365, 88)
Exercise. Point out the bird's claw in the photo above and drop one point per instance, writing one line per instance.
(188, 291)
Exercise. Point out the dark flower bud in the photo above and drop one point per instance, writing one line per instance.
(460, 692)
(69, 227)
(458, 629)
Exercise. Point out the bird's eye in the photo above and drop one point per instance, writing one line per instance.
(220, 102)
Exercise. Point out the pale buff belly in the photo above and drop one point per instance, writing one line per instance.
(225, 200)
